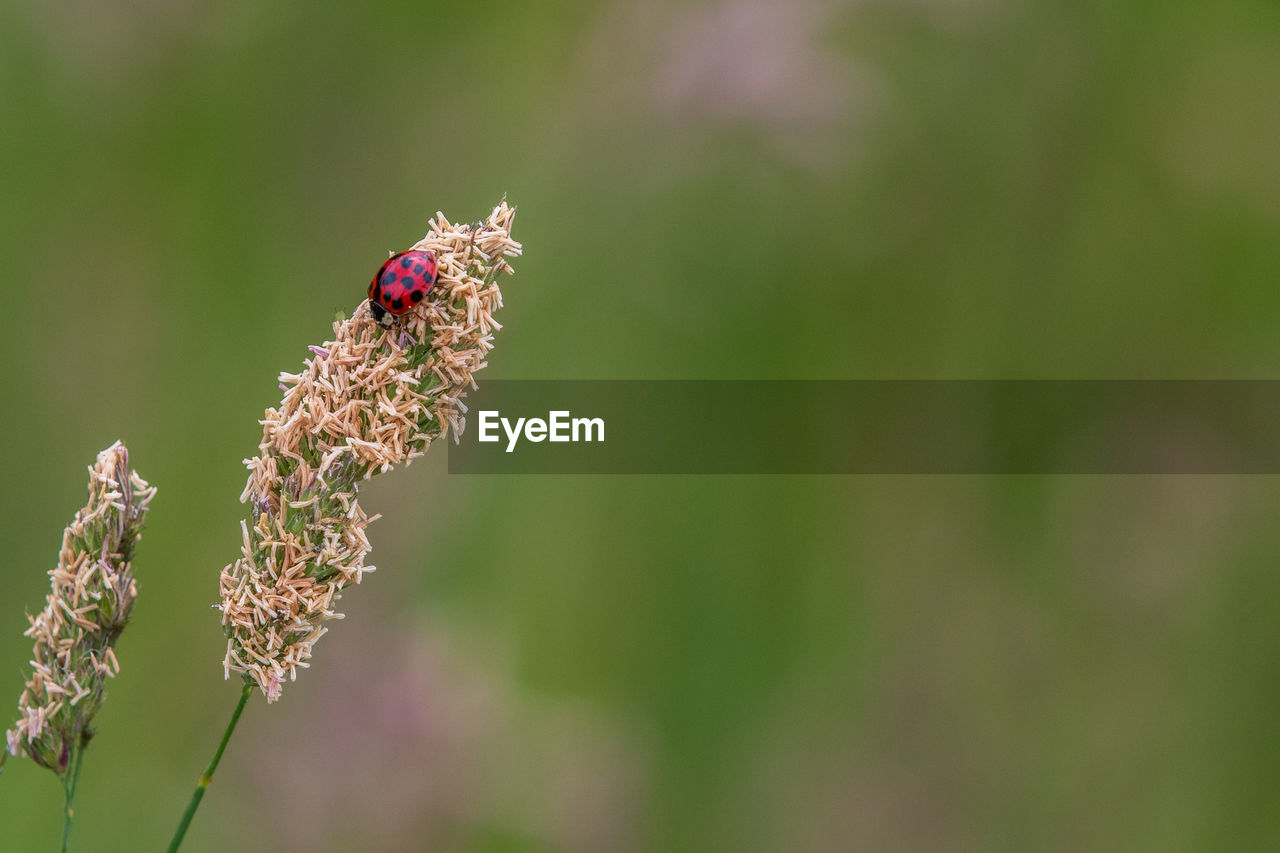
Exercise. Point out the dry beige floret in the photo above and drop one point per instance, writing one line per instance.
(366, 401)
(92, 593)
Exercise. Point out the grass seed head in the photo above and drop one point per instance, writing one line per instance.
(92, 593)
(366, 401)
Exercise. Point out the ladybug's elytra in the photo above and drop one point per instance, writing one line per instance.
(401, 283)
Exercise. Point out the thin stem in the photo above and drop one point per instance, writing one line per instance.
(72, 780)
(205, 778)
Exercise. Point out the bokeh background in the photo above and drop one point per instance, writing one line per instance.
(730, 189)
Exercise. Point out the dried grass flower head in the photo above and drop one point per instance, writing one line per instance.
(92, 594)
(366, 401)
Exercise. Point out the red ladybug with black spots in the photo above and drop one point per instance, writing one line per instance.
(401, 283)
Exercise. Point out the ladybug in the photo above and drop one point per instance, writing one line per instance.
(401, 283)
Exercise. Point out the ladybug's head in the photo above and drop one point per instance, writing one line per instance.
(381, 315)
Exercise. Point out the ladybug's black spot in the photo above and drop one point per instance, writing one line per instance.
(407, 281)
(397, 303)
(406, 263)
(386, 296)
(388, 278)
(417, 269)
(416, 296)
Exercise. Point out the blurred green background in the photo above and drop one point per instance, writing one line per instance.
(735, 189)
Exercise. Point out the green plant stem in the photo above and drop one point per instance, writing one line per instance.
(205, 778)
(72, 780)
